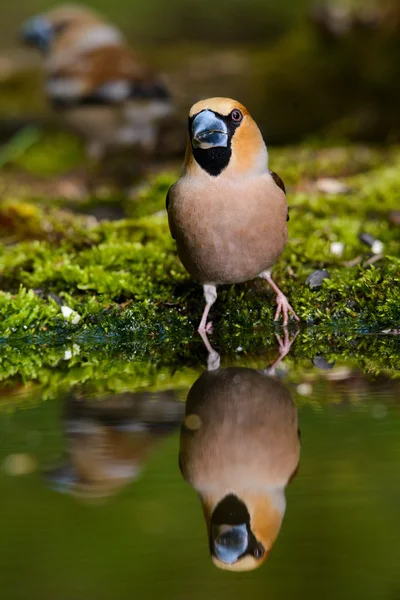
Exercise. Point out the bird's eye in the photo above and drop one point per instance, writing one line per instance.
(236, 115)
(259, 551)
(60, 27)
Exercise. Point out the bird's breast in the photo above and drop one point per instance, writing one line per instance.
(229, 233)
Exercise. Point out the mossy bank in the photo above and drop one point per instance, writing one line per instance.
(126, 286)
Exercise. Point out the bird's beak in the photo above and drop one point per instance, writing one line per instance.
(37, 32)
(61, 479)
(209, 131)
(229, 542)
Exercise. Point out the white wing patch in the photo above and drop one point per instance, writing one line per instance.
(115, 91)
(64, 87)
(147, 110)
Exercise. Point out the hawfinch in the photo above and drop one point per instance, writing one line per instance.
(109, 440)
(94, 82)
(239, 447)
(228, 212)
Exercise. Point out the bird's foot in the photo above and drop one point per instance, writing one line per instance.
(207, 328)
(286, 343)
(284, 349)
(284, 307)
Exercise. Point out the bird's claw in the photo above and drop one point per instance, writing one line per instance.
(208, 328)
(286, 343)
(284, 307)
(284, 348)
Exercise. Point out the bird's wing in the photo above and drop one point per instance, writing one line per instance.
(167, 203)
(280, 184)
(180, 463)
(106, 75)
(278, 181)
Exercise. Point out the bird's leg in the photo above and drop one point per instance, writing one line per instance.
(210, 295)
(214, 358)
(284, 348)
(283, 305)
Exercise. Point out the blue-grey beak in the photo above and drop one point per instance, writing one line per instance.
(37, 32)
(209, 131)
(61, 479)
(230, 542)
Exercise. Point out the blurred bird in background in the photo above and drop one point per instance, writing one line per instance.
(228, 212)
(239, 448)
(109, 440)
(95, 83)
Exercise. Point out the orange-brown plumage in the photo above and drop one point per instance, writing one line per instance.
(228, 211)
(248, 148)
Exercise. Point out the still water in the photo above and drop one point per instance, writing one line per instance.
(137, 494)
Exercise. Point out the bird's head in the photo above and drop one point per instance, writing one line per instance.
(243, 528)
(223, 138)
(66, 26)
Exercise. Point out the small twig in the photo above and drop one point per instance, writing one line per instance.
(374, 259)
(352, 263)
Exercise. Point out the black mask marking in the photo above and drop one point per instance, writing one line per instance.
(215, 160)
(232, 511)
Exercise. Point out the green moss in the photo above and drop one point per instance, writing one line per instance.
(116, 356)
(139, 309)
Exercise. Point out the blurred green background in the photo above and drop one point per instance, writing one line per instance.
(305, 69)
(146, 22)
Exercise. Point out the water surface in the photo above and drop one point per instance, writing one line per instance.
(94, 504)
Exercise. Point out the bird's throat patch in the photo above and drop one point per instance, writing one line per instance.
(213, 160)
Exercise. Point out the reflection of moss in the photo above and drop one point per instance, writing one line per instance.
(126, 282)
(120, 356)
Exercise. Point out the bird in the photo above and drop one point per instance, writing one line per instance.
(109, 440)
(239, 448)
(95, 83)
(228, 211)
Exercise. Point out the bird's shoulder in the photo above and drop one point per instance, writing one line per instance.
(168, 200)
(278, 180)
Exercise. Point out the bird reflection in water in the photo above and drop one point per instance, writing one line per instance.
(239, 448)
(109, 439)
